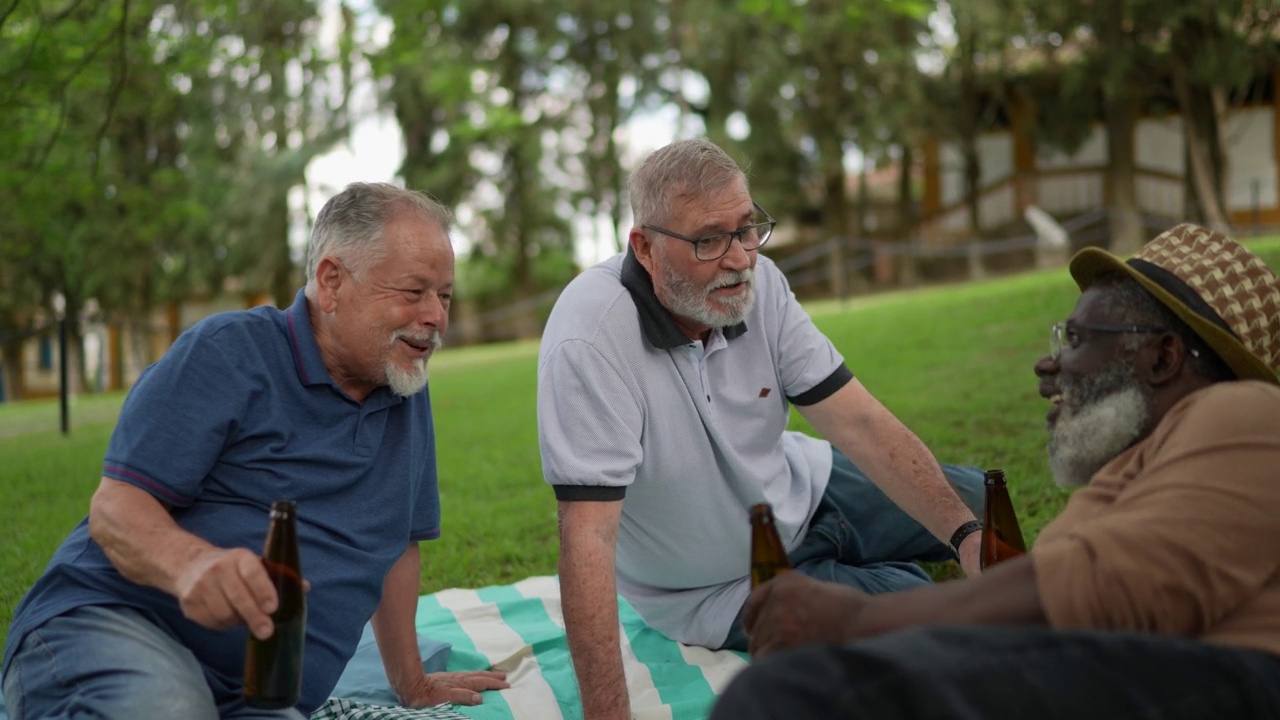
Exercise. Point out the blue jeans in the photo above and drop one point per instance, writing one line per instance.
(859, 537)
(1005, 673)
(114, 663)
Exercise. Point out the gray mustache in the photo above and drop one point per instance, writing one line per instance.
(432, 337)
(733, 278)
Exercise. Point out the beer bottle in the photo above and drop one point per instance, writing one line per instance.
(273, 667)
(768, 556)
(1001, 536)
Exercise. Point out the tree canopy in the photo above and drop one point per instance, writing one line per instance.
(152, 148)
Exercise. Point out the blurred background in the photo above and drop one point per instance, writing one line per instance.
(160, 161)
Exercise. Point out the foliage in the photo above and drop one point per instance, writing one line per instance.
(150, 149)
(1106, 61)
(487, 102)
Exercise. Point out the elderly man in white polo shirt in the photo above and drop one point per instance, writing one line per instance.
(665, 379)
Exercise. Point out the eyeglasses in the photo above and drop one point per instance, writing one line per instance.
(1066, 330)
(715, 245)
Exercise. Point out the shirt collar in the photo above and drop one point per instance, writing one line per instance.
(659, 327)
(302, 336)
(306, 354)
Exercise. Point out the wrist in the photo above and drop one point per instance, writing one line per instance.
(405, 676)
(962, 533)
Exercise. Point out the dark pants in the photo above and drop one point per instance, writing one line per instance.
(990, 673)
(859, 537)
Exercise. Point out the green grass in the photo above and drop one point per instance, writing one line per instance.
(953, 362)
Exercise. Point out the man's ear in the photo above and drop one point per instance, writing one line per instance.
(1166, 359)
(642, 246)
(329, 279)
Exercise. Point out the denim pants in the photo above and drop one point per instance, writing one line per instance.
(859, 537)
(112, 662)
(1006, 673)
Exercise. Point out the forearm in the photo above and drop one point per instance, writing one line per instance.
(907, 472)
(394, 621)
(1006, 594)
(140, 537)
(895, 459)
(589, 601)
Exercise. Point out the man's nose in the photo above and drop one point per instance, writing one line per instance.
(1045, 366)
(433, 312)
(737, 258)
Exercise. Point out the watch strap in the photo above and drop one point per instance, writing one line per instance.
(963, 532)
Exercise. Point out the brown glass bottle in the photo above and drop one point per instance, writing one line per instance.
(768, 556)
(273, 667)
(1001, 536)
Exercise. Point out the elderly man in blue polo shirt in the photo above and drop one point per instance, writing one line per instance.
(144, 610)
(665, 379)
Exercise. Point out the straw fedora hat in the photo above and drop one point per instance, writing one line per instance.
(1225, 293)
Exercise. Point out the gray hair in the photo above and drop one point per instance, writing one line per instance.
(351, 223)
(681, 170)
(1135, 306)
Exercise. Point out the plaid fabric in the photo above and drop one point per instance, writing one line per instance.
(338, 709)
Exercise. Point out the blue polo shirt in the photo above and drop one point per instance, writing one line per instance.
(241, 412)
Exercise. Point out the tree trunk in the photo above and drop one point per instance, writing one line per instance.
(1123, 215)
(864, 251)
(276, 233)
(520, 213)
(13, 380)
(969, 143)
(906, 218)
(835, 212)
(276, 240)
(1205, 154)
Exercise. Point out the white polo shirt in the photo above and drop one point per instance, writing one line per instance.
(688, 437)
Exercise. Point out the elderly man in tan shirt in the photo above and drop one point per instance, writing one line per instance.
(1155, 594)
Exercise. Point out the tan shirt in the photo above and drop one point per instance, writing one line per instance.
(1180, 534)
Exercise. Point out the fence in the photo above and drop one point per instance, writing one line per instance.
(845, 266)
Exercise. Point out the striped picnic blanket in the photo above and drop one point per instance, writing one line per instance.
(519, 629)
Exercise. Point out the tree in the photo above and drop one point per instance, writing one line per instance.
(1216, 49)
(612, 45)
(805, 77)
(118, 149)
(495, 125)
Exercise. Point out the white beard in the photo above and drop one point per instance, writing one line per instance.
(411, 381)
(686, 299)
(1098, 421)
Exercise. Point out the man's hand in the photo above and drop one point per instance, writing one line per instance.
(793, 609)
(223, 588)
(971, 554)
(462, 688)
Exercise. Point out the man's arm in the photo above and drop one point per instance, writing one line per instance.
(896, 460)
(397, 636)
(216, 587)
(589, 598)
(795, 610)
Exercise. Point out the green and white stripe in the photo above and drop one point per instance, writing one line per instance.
(520, 629)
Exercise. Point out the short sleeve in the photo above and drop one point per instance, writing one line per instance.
(426, 507)
(178, 417)
(589, 420)
(809, 366)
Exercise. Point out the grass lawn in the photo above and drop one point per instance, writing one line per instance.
(953, 362)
